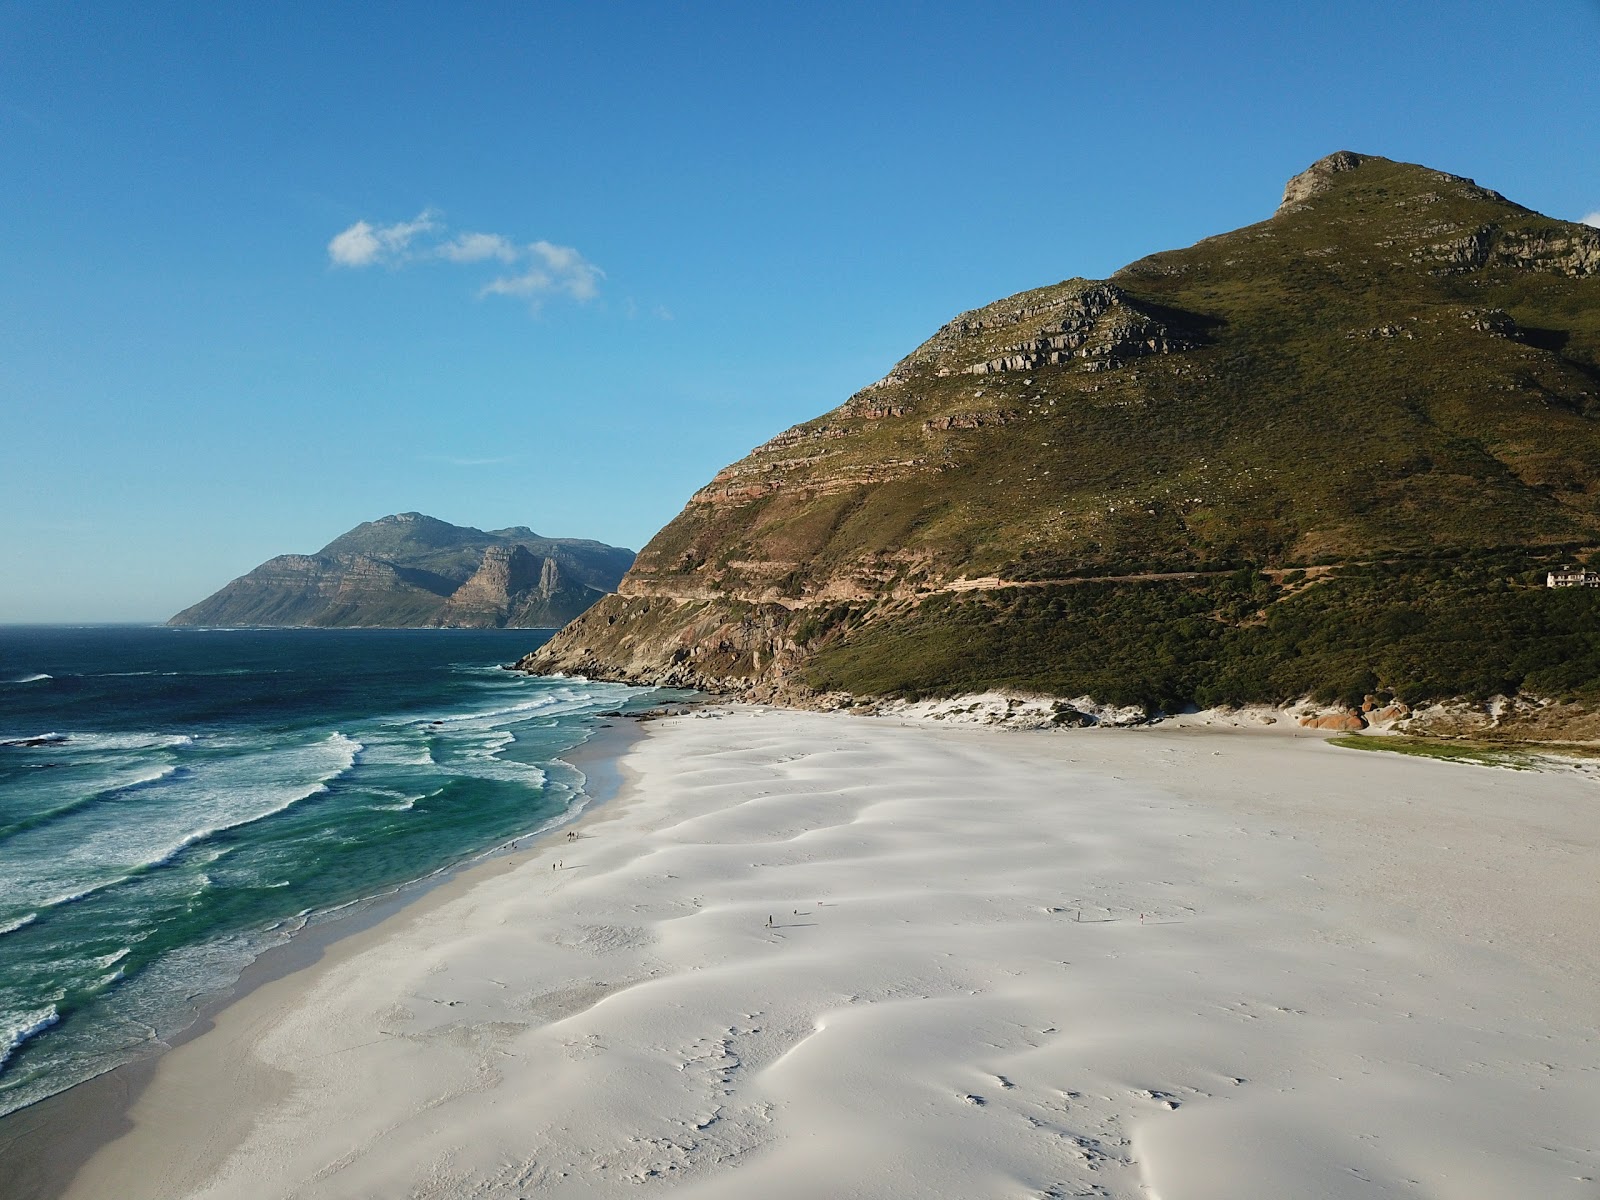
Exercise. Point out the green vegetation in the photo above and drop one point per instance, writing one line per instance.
(1416, 631)
(1396, 377)
(1404, 364)
(1483, 754)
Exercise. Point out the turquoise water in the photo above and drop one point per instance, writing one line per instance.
(173, 802)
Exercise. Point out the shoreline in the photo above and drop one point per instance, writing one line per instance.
(1201, 963)
(46, 1144)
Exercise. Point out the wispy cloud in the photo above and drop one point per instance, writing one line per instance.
(477, 247)
(366, 245)
(454, 460)
(550, 268)
(1593, 219)
(540, 268)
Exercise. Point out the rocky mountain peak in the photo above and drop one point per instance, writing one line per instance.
(1401, 365)
(1318, 177)
(1409, 182)
(410, 569)
(1089, 323)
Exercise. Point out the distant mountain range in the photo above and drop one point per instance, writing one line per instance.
(411, 570)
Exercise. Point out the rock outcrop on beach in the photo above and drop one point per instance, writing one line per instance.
(414, 570)
(1326, 453)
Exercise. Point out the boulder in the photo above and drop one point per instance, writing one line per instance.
(1340, 721)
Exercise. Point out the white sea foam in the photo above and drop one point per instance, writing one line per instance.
(237, 775)
(192, 971)
(499, 770)
(94, 743)
(493, 742)
(74, 896)
(18, 923)
(113, 784)
(150, 1004)
(99, 742)
(575, 697)
(399, 753)
(154, 775)
(517, 711)
(66, 860)
(477, 754)
(37, 677)
(17, 1028)
(498, 673)
(402, 801)
(38, 739)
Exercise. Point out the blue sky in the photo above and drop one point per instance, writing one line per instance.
(700, 223)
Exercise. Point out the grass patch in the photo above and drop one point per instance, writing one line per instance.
(1480, 754)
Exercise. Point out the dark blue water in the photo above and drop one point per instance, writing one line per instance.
(174, 801)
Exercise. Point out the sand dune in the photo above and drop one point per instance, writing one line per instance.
(1177, 964)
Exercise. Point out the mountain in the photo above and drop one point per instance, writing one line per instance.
(1323, 453)
(414, 570)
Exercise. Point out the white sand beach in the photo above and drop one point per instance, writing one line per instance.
(1161, 963)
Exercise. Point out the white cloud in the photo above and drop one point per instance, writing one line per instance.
(364, 244)
(551, 268)
(529, 284)
(545, 268)
(579, 277)
(1593, 219)
(355, 247)
(476, 247)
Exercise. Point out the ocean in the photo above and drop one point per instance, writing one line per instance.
(173, 802)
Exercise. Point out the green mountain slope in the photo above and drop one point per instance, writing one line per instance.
(414, 570)
(1399, 369)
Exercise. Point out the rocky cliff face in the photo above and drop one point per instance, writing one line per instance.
(1398, 363)
(413, 570)
(517, 588)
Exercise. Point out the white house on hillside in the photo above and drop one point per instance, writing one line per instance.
(1571, 577)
